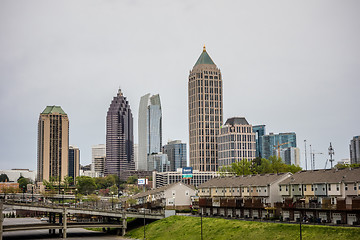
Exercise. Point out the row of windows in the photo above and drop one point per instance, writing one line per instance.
(237, 129)
(237, 154)
(238, 137)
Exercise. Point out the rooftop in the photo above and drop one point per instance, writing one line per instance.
(53, 110)
(204, 58)
(324, 176)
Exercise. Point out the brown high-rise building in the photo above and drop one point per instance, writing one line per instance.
(205, 113)
(53, 144)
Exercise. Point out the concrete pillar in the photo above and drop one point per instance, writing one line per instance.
(1, 219)
(124, 223)
(60, 222)
(64, 222)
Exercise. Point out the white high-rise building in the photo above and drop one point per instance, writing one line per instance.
(97, 152)
(149, 129)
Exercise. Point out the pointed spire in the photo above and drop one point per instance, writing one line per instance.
(204, 58)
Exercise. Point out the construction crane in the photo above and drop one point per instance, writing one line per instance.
(312, 158)
(278, 147)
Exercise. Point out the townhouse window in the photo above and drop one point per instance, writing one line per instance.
(280, 188)
(355, 187)
(242, 190)
(312, 188)
(247, 190)
(293, 189)
(305, 188)
(299, 189)
(286, 188)
(337, 187)
(329, 187)
(346, 187)
(265, 190)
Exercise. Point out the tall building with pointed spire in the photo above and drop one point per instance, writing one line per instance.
(205, 113)
(149, 129)
(119, 137)
(53, 144)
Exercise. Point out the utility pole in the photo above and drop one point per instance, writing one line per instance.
(305, 156)
(331, 153)
(311, 156)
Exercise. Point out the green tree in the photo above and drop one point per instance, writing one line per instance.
(68, 181)
(101, 183)
(114, 190)
(85, 185)
(277, 164)
(293, 168)
(242, 167)
(111, 180)
(132, 179)
(23, 182)
(4, 177)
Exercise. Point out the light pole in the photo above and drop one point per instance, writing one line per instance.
(201, 213)
(144, 222)
(32, 193)
(75, 196)
(112, 201)
(174, 205)
(63, 196)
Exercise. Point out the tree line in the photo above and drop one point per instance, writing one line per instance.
(259, 166)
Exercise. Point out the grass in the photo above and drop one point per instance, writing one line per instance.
(182, 227)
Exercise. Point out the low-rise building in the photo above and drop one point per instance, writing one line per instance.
(330, 195)
(173, 196)
(242, 196)
(9, 186)
(15, 173)
(165, 178)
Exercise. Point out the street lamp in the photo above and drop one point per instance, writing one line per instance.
(32, 193)
(76, 190)
(112, 201)
(174, 204)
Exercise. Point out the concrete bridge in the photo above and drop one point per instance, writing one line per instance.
(59, 217)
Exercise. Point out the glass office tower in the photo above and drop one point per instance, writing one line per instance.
(149, 129)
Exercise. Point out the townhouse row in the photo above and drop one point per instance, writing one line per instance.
(319, 196)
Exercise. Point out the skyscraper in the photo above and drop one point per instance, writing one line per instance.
(273, 142)
(176, 152)
(149, 129)
(74, 162)
(53, 144)
(205, 113)
(119, 137)
(355, 150)
(259, 131)
(290, 155)
(236, 141)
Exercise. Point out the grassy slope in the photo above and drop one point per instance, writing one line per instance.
(180, 227)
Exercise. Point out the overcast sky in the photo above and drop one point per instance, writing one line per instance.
(291, 65)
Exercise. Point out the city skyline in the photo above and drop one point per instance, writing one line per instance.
(290, 66)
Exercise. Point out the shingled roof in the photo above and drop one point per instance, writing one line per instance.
(324, 176)
(248, 180)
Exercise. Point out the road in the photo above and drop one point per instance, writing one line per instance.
(74, 233)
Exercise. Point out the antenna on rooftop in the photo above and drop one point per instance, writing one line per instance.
(331, 153)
